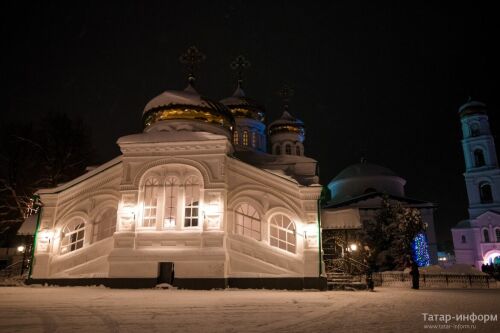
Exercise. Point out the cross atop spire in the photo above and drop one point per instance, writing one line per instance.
(192, 58)
(239, 64)
(286, 93)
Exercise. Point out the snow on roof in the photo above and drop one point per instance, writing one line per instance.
(188, 96)
(29, 226)
(163, 136)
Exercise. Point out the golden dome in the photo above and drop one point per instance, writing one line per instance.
(186, 105)
(287, 124)
(243, 107)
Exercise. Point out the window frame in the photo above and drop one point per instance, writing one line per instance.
(275, 240)
(255, 220)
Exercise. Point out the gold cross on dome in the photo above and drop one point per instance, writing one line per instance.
(239, 64)
(191, 58)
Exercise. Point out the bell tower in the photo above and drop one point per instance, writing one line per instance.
(482, 175)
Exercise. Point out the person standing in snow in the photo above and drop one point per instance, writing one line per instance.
(415, 275)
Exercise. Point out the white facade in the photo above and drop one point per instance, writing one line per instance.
(477, 240)
(177, 195)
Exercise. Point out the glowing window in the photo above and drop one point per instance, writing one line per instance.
(254, 139)
(282, 233)
(245, 138)
(192, 202)
(486, 235)
(485, 193)
(73, 236)
(478, 158)
(235, 137)
(248, 221)
(151, 191)
(171, 194)
(288, 149)
(106, 224)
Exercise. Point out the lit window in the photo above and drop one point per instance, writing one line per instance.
(73, 236)
(282, 233)
(464, 240)
(485, 193)
(278, 150)
(170, 211)
(245, 138)
(248, 221)
(192, 202)
(478, 158)
(486, 236)
(297, 150)
(254, 139)
(151, 189)
(105, 224)
(235, 137)
(288, 149)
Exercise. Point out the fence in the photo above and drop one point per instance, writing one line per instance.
(434, 280)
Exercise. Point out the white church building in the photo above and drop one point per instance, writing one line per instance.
(195, 200)
(477, 239)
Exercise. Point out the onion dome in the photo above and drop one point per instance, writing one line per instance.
(243, 107)
(287, 124)
(186, 105)
(471, 108)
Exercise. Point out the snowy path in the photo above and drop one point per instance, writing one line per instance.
(79, 309)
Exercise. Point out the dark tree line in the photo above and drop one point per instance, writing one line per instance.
(36, 155)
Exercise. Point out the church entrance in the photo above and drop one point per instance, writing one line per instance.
(166, 273)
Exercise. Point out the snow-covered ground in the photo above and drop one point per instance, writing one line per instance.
(87, 309)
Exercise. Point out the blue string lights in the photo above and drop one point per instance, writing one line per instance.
(420, 249)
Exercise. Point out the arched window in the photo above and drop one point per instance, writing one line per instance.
(297, 150)
(474, 129)
(254, 139)
(235, 137)
(247, 221)
(485, 193)
(464, 240)
(278, 150)
(288, 149)
(191, 202)
(105, 224)
(151, 193)
(282, 233)
(478, 158)
(486, 235)
(497, 234)
(171, 194)
(245, 138)
(73, 236)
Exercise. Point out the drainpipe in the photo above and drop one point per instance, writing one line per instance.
(319, 238)
(34, 242)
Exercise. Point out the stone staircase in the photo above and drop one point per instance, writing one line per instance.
(345, 281)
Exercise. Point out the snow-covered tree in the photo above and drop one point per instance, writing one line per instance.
(389, 236)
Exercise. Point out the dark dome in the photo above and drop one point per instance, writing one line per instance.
(364, 170)
(472, 107)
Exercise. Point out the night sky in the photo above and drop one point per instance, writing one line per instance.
(383, 82)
